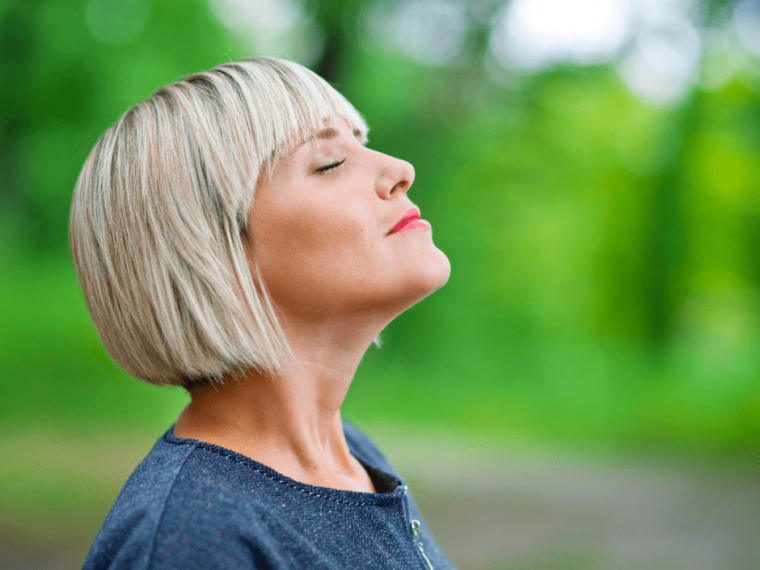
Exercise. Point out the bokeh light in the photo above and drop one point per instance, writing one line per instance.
(117, 22)
(540, 33)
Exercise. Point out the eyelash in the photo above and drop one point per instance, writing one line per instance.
(329, 167)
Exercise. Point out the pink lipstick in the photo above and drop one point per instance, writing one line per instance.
(409, 221)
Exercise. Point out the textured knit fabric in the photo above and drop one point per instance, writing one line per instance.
(193, 505)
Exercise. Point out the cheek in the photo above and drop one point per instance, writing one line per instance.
(308, 251)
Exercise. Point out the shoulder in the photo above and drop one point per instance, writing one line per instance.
(125, 539)
(177, 510)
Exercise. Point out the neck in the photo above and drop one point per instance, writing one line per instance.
(289, 421)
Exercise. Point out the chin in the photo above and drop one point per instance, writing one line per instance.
(440, 270)
(431, 273)
(408, 284)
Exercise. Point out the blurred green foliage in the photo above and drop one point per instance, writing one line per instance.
(605, 276)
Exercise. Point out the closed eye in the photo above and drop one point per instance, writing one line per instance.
(329, 167)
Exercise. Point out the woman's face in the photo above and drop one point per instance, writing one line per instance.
(323, 232)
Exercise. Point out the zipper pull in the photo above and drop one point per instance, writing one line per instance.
(416, 534)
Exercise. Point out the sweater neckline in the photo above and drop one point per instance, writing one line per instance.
(394, 489)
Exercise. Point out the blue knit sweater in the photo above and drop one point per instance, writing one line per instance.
(193, 505)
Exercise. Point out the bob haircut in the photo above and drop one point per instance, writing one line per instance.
(160, 212)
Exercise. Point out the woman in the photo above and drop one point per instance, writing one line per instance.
(234, 235)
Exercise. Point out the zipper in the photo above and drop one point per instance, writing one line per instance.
(416, 534)
(415, 528)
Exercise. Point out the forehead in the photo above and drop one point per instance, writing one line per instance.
(332, 130)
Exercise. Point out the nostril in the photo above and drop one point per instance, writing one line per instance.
(401, 186)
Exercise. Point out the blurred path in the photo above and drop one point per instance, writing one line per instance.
(528, 508)
(500, 507)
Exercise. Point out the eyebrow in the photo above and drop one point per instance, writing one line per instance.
(331, 133)
(324, 134)
(328, 133)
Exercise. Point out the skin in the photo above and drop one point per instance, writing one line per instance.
(321, 239)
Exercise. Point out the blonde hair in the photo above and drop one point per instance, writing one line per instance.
(159, 219)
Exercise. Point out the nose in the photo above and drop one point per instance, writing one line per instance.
(396, 178)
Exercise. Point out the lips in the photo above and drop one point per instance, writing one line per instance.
(409, 221)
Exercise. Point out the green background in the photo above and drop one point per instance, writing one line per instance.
(605, 286)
